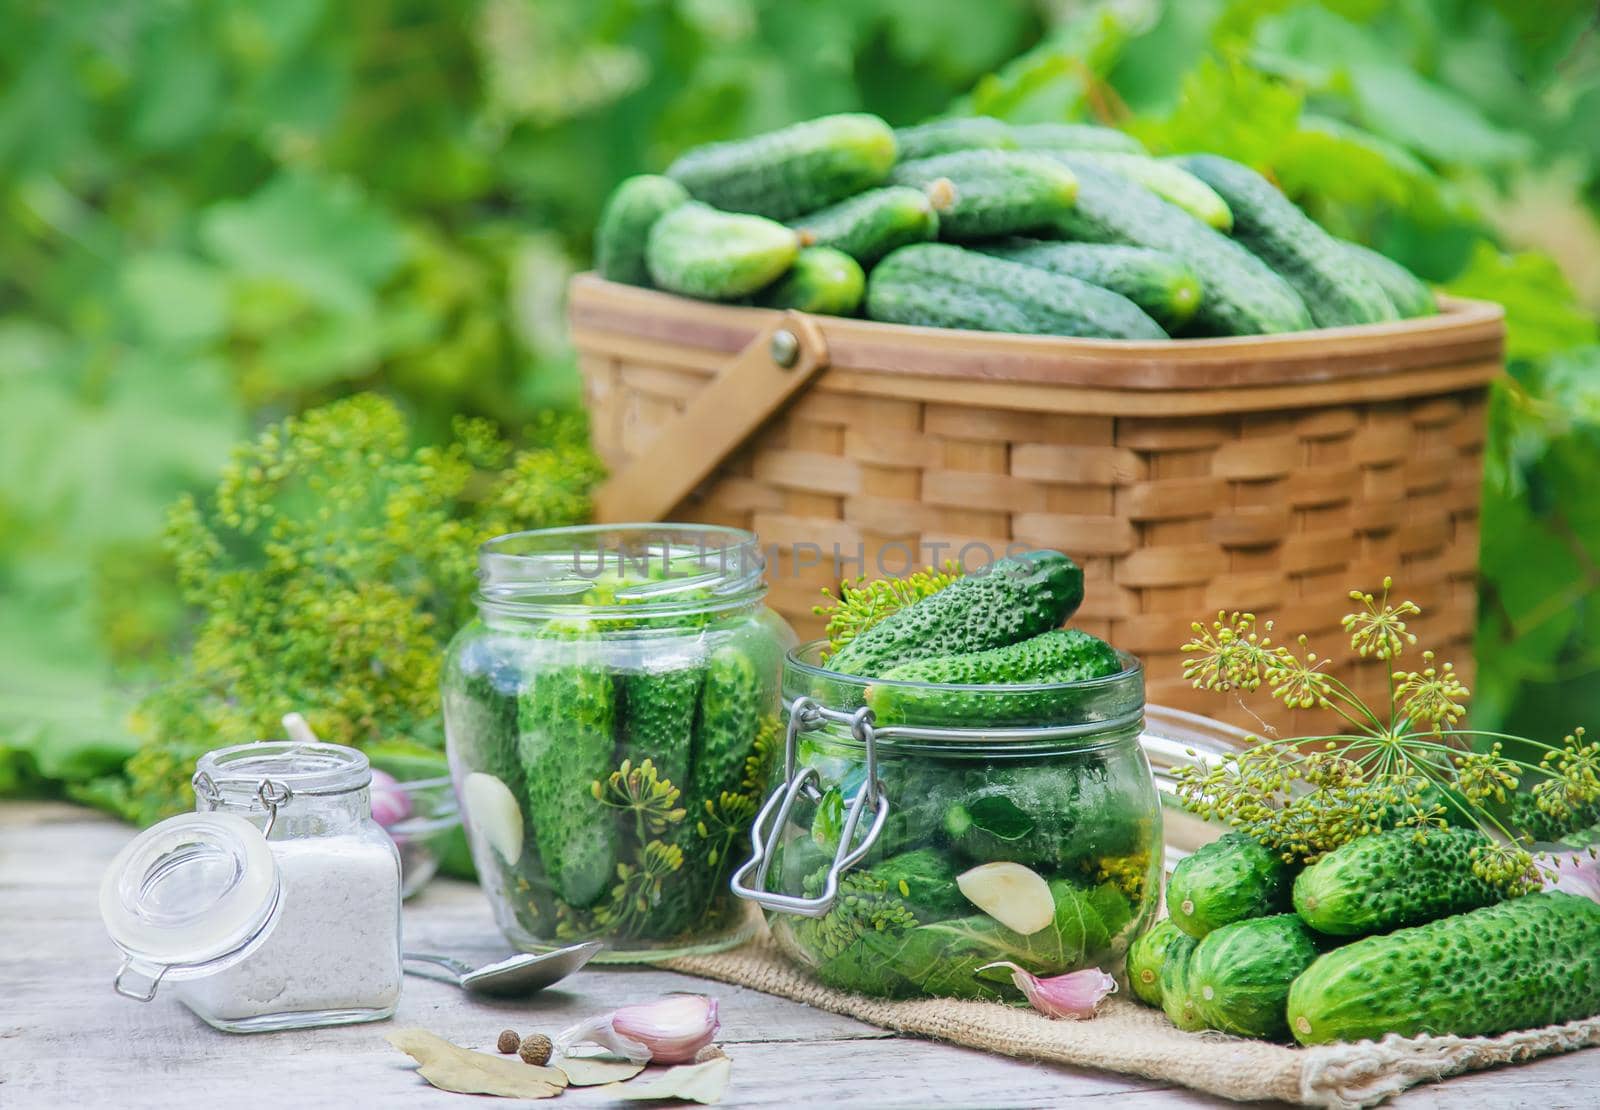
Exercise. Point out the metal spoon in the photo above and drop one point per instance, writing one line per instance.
(522, 974)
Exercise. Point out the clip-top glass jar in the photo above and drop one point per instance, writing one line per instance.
(609, 718)
(276, 905)
(919, 833)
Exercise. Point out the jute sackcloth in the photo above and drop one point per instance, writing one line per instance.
(1137, 1040)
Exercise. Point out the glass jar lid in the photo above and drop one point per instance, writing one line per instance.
(189, 897)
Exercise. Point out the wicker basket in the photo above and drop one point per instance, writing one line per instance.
(1270, 474)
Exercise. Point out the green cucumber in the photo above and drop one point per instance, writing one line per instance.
(1145, 958)
(942, 286)
(1285, 238)
(783, 174)
(822, 280)
(1012, 599)
(700, 252)
(1410, 294)
(1523, 964)
(1239, 975)
(1058, 656)
(996, 192)
(941, 136)
(631, 211)
(730, 715)
(1171, 182)
(1074, 136)
(1162, 284)
(655, 713)
(1242, 294)
(870, 225)
(1177, 1001)
(1391, 879)
(1231, 879)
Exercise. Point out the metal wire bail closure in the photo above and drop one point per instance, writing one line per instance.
(750, 880)
(270, 794)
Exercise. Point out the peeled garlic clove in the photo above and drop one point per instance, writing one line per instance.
(493, 810)
(1074, 995)
(669, 1030)
(1014, 895)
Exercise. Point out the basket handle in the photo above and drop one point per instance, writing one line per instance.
(768, 370)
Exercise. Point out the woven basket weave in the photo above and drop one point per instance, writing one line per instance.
(1270, 474)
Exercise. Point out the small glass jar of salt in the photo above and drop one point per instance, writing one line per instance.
(276, 905)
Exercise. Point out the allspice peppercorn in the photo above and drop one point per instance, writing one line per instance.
(536, 1049)
(509, 1042)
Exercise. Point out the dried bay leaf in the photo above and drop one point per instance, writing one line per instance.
(704, 1083)
(450, 1067)
(590, 1071)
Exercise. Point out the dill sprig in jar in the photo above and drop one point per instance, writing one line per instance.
(276, 905)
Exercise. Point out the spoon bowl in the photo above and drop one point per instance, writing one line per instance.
(523, 974)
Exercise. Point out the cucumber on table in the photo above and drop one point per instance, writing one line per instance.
(1162, 284)
(701, 252)
(565, 737)
(1337, 291)
(822, 280)
(1013, 599)
(1242, 295)
(1231, 879)
(871, 224)
(1073, 136)
(1177, 1000)
(1239, 975)
(797, 169)
(1146, 957)
(1409, 293)
(1167, 180)
(1060, 655)
(630, 212)
(996, 192)
(1393, 878)
(941, 136)
(943, 286)
(1523, 964)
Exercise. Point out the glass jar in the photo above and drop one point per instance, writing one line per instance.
(609, 719)
(276, 905)
(919, 833)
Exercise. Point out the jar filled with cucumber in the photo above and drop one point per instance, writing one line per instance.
(609, 719)
(962, 786)
(975, 223)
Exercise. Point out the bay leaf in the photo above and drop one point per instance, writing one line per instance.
(450, 1067)
(704, 1083)
(589, 1071)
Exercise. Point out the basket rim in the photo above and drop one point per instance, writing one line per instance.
(1465, 333)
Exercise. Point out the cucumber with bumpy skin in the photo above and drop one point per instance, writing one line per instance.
(822, 280)
(1162, 284)
(794, 170)
(656, 712)
(1242, 295)
(1391, 879)
(700, 252)
(996, 192)
(1013, 599)
(730, 711)
(1231, 879)
(1411, 296)
(1177, 1001)
(1171, 182)
(1145, 958)
(631, 211)
(1523, 964)
(941, 136)
(942, 286)
(1337, 291)
(1058, 656)
(870, 225)
(1074, 136)
(1239, 975)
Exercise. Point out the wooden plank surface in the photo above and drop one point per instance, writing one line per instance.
(67, 1041)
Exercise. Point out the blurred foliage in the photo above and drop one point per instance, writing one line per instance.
(214, 216)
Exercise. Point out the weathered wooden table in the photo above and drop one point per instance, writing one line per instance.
(67, 1041)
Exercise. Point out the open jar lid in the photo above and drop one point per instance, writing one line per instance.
(187, 898)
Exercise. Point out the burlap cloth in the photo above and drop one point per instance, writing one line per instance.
(1136, 1040)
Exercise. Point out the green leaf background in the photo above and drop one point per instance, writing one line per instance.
(213, 216)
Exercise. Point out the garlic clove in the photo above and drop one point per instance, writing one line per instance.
(669, 1030)
(1014, 895)
(1074, 995)
(493, 811)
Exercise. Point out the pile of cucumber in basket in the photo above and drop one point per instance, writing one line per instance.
(1044, 228)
